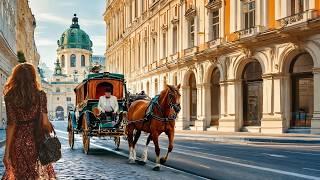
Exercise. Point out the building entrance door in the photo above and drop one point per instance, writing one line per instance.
(302, 105)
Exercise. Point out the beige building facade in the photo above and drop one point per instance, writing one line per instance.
(244, 65)
(25, 28)
(8, 47)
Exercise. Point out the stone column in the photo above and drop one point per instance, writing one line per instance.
(200, 123)
(272, 121)
(227, 122)
(315, 122)
(207, 104)
(184, 116)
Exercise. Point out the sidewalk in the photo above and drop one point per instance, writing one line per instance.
(245, 137)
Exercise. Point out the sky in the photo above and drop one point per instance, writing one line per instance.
(53, 17)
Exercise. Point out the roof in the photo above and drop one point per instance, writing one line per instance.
(103, 75)
(74, 37)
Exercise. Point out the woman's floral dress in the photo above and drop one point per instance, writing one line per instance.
(23, 153)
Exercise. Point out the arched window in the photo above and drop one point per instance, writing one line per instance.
(73, 60)
(83, 60)
(62, 61)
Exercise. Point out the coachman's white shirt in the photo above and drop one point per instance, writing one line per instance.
(108, 104)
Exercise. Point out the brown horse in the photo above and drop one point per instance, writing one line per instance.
(164, 110)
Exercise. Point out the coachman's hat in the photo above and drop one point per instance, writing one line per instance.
(108, 89)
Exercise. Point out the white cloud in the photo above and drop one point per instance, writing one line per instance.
(45, 42)
(98, 40)
(46, 17)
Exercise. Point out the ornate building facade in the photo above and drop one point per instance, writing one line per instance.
(25, 27)
(244, 65)
(8, 47)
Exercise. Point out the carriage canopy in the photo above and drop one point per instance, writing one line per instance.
(94, 86)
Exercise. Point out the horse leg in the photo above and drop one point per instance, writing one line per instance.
(136, 138)
(130, 130)
(170, 147)
(145, 152)
(157, 150)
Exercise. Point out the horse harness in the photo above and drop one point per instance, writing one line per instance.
(154, 103)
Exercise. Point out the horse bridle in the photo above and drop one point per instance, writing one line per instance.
(175, 106)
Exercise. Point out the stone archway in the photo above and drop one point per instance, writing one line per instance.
(302, 93)
(193, 99)
(252, 94)
(215, 97)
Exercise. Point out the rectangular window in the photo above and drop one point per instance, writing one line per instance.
(191, 33)
(175, 39)
(215, 25)
(154, 52)
(146, 53)
(130, 12)
(297, 6)
(136, 8)
(248, 9)
(139, 60)
(68, 98)
(164, 45)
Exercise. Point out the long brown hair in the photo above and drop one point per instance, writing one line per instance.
(22, 86)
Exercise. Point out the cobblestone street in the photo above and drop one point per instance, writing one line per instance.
(102, 164)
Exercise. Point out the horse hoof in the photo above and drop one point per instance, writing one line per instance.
(157, 168)
(131, 161)
(142, 163)
(162, 160)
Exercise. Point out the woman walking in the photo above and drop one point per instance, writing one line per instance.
(25, 105)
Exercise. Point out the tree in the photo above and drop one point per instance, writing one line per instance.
(21, 58)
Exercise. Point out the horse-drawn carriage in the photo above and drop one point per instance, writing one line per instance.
(85, 119)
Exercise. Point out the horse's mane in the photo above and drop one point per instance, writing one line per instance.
(163, 100)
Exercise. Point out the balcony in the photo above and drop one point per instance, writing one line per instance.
(299, 18)
(190, 52)
(215, 43)
(249, 32)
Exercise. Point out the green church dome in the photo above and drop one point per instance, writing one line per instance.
(74, 37)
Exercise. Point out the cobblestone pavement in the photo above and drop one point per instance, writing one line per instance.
(102, 164)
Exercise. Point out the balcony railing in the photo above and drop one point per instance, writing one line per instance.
(299, 18)
(249, 32)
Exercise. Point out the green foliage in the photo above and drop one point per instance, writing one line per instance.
(21, 58)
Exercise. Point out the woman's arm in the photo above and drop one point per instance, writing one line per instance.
(11, 126)
(9, 137)
(46, 123)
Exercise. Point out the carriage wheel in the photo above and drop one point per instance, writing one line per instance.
(85, 135)
(117, 142)
(70, 133)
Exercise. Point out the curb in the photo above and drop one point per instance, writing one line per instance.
(252, 140)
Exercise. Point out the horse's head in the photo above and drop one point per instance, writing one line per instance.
(174, 97)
